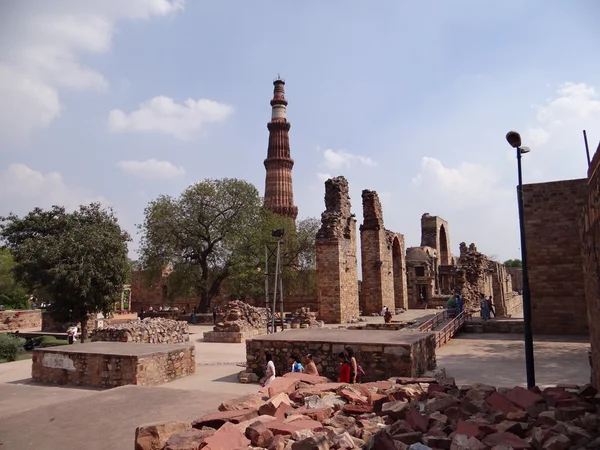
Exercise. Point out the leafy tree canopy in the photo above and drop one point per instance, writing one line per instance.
(513, 263)
(214, 231)
(75, 261)
(13, 295)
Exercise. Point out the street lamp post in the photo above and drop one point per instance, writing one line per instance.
(514, 139)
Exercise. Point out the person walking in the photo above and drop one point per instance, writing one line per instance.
(460, 303)
(491, 306)
(484, 305)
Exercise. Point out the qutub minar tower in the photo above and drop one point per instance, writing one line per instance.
(279, 193)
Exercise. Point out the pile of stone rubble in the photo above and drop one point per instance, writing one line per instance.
(147, 331)
(301, 412)
(305, 318)
(238, 316)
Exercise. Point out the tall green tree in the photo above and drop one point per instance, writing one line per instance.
(204, 235)
(13, 295)
(513, 263)
(214, 231)
(75, 261)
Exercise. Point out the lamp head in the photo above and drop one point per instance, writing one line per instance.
(514, 139)
(524, 150)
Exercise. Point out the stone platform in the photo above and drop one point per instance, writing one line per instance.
(232, 337)
(382, 354)
(394, 326)
(111, 364)
(500, 325)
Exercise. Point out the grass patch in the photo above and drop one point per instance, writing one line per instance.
(21, 357)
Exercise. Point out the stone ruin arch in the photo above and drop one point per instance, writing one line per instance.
(434, 234)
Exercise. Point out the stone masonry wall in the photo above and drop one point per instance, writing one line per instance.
(20, 320)
(516, 277)
(590, 233)
(396, 244)
(434, 233)
(51, 325)
(147, 331)
(337, 275)
(52, 366)
(379, 361)
(552, 221)
(377, 287)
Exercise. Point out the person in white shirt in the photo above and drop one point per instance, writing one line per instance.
(270, 371)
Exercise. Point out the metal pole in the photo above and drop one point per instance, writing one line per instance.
(267, 282)
(529, 363)
(275, 285)
(587, 148)
(280, 287)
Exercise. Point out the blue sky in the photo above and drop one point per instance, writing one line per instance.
(412, 99)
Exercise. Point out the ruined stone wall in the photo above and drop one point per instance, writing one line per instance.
(147, 331)
(502, 291)
(337, 274)
(376, 257)
(51, 325)
(552, 219)
(516, 277)
(20, 320)
(146, 294)
(590, 234)
(434, 233)
(473, 276)
(396, 243)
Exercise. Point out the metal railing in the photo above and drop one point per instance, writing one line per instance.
(434, 322)
(450, 329)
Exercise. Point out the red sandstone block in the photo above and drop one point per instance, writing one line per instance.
(501, 403)
(282, 384)
(281, 428)
(417, 421)
(308, 379)
(216, 420)
(523, 397)
(226, 438)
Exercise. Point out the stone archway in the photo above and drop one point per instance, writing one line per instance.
(399, 272)
(444, 256)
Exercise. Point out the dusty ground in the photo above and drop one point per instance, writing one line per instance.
(55, 418)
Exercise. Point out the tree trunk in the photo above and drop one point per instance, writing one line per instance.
(84, 329)
(204, 302)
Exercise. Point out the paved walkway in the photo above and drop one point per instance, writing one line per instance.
(54, 418)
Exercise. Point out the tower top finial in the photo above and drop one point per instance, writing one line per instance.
(278, 80)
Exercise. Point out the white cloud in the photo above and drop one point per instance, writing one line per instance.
(324, 176)
(151, 169)
(40, 46)
(163, 115)
(337, 159)
(468, 184)
(22, 189)
(557, 130)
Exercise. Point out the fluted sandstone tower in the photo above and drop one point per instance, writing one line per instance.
(279, 193)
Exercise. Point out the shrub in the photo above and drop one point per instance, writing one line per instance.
(51, 341)
(451, 303)
(10, 346)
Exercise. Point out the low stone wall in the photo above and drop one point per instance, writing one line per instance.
(508, 326)
(514, 306)
(407, 354)
(381, 326)
(51, 325)
(20, 319)
(107, 365)
(120, 318)
(232, 337)
(147, 331)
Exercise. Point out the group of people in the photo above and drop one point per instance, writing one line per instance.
(487, 307)
(350, 370)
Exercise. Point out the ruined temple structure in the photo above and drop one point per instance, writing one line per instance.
(382, 260)
(431, 267)
(279, 193)
(434, 274)
(337, 273)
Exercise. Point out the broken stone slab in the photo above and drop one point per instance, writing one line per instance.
(188, 440)
(226, 438)
(506, 439)
(282, 428)
(282, 385)
(216, 420)
(258, 434)
(305, 378)
(155, 436)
